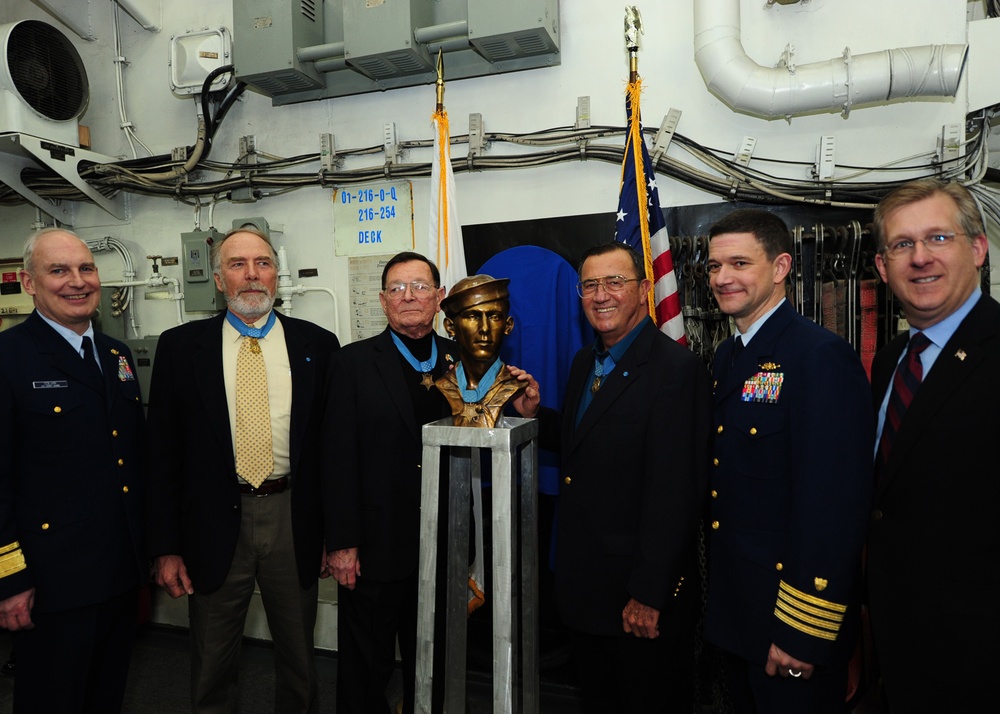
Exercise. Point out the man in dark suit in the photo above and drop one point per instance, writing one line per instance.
(633, 438)
(934, 537)
(791, 483)
(71, 431)
(228, 506)
(381, 393)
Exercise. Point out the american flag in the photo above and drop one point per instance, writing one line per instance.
(640, 222)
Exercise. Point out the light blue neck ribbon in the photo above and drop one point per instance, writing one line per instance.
(249, 330)
(472, 396)
(422, 367)
(604, 363)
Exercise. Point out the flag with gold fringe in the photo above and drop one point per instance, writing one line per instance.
(640, 222)
(448, 252)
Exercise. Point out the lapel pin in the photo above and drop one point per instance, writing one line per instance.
(961, 354)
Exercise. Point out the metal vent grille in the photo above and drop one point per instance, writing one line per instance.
(513, 45)
(394, 64)
(308, 8)
(46, 71)
(276, 83)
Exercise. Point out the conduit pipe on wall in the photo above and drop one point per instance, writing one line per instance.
(837, 84)
(286, 290)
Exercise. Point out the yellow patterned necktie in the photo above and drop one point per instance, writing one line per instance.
(254, 453)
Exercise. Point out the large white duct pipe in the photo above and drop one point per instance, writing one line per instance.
(839, 84)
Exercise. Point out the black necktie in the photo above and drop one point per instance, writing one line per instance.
(737, 346)
(89, 359)
(909, 375)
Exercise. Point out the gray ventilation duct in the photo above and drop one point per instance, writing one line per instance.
(836, 84)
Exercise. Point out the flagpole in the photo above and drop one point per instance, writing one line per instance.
(633, 28)
(440, 82)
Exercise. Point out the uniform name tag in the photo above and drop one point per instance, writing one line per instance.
(763, 387)
(51, 384)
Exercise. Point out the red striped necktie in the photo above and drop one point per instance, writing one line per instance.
(909, 375)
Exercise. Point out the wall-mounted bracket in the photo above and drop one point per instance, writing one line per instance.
(24, 151)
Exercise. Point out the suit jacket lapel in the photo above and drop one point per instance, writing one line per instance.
(391, 371)
(754, 355)
(211, 383)
(884, 368)
(109, 365)
(62, 355)
(623, 378)
(957, 362)
(303, 387)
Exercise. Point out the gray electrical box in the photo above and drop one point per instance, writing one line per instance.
(513, 29)
(270, 31)
(378, 37)
(258, 223)
(375, 45)
(143, 351)
(200, 293)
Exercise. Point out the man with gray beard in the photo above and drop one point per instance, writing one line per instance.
(234, 497)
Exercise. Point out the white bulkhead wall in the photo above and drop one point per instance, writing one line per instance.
(593, 63)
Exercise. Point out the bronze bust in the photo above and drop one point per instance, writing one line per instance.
(477, 316)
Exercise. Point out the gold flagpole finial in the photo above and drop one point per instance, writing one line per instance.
(633, 28)
(440, 81)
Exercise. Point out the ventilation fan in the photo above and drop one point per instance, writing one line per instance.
(43, 85)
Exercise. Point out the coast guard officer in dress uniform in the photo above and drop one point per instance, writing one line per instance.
(791, 483)
(71, 432)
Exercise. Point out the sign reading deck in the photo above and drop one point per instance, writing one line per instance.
(373, 219)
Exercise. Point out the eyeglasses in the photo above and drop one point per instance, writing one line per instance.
(418, 288)
(905, 246)
(611, 283)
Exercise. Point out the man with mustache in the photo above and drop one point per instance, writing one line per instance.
(234, 498)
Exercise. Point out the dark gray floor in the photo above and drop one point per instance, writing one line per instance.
(159, 679)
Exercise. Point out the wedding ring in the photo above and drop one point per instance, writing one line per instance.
(794, 673)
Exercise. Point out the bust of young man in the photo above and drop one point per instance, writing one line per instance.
(477, 316)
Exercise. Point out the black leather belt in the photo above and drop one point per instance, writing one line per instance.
(275, 485)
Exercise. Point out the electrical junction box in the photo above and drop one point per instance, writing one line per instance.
(13, 299)
(268, 34)
(143, 351)
(257, 223)
(378, 37)
(200, 293)
(361, 46)
(195, 55)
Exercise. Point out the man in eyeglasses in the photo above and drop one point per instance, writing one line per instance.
(790, 483)
(633, 437)
(934, 538)
(382, 393)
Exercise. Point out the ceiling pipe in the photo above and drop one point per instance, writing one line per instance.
(836, 84)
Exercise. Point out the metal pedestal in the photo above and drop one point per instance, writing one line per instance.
(514, 490)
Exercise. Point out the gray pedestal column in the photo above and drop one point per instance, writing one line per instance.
(514, 457)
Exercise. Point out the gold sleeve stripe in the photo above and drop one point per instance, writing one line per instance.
(802, 617)
(12, 562)
(9, 547)
(812, 599)
(822, 634)
(817, 611)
